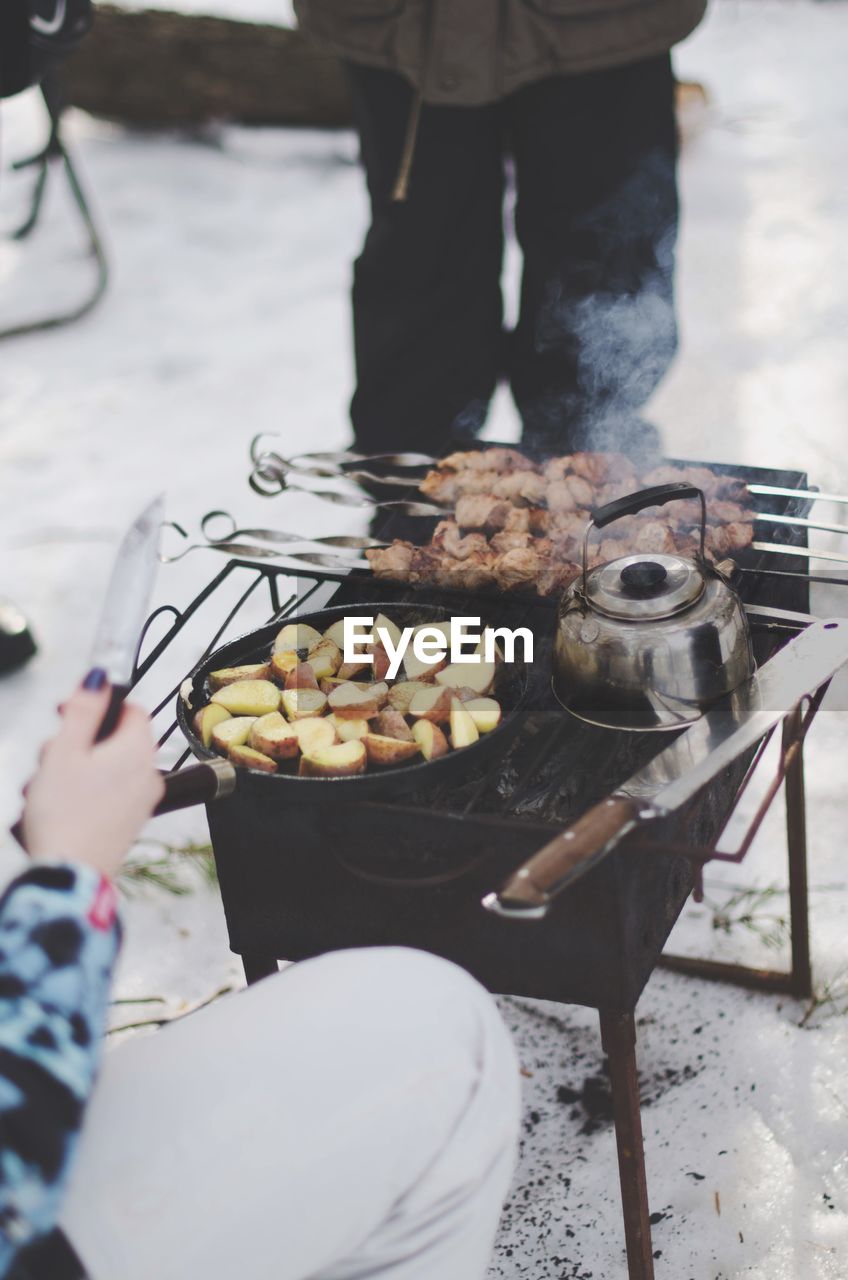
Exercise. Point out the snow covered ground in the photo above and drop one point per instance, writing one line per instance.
(227, 315)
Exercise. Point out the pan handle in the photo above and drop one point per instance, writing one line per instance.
(199, 784)
(529, 891)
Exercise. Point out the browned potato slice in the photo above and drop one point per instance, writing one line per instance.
(351, 703)
(248, 697)
(391, 724)
(206, 719)
(336, 761)
(297, 635)
(401, 694)
(332, 682)
(381, 663)
(229, 675)
(336, 634)
(463, 730)
(348, 670)
(247, 758)
(485, 712)
(430, 739)
(386, 624)
(347, 730)
(302, 677)
(387, 751)
(274, 737)
(314, 734)
(325, 659)
(283, 663)
(432, 703)
(303, 704)
(231, 733)
(415, 669)
(468, 675)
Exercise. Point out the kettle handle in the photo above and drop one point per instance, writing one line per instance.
(656, 496)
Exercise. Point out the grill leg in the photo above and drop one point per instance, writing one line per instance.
(796, 840)
(618, 1037)
(258, 965)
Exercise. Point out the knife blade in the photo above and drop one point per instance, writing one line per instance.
(735, 723)
(125, 607)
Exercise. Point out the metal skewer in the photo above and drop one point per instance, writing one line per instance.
(344, 541)
(807, 553)
(799, 522)
(776, 491)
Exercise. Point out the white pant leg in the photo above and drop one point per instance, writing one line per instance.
(354, 1116)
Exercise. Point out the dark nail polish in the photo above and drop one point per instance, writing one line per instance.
(95, 679)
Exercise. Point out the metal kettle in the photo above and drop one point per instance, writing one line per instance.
(649, 641)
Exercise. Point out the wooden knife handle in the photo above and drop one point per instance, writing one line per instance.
(199, 784)
(566, 858)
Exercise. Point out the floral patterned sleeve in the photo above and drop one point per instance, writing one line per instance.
(59, 937)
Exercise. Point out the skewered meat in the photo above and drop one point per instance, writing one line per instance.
(521, 526)
(392, 561)
(599, 468)
(497, 459)
(481, 511)
(449, 536)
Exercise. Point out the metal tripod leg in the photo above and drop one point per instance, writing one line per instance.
(618, 1036)
(55, 150)
(798, 981)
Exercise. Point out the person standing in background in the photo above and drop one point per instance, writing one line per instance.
(580, 95)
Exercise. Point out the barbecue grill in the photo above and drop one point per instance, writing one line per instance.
(411, 869)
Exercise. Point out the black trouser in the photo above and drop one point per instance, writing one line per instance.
(596, 218)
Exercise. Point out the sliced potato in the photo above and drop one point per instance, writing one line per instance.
(206, 719)
(380, 662)
(248, 758)
(392, 628)
(297, 635)
(432, 702)
(347, 730)
(349, 702)
(231, 733)
(485, 712)
(302, 677)
(401, 694)
(362, 666)
(388, 751)
(248, 697)
(463, 730)
(471, 675)
(274, 737)
(303, 704)
(430, 739)
(339, 760)
(314, 734)
(329, 683)
(229, 675)
(391, 724)
(336, 633)
(325, 659)
(283, 663)
(415, 669)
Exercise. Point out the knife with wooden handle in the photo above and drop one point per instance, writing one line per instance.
(735, 723)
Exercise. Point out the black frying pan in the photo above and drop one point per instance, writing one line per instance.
(216, 777)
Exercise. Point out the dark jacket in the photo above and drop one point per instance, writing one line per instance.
(470, 52)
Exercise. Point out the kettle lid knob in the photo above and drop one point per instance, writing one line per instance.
(643, 578)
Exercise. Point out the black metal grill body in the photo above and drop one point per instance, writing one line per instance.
(299, 882)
